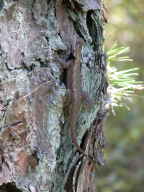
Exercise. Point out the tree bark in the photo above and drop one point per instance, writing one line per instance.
(38, 38)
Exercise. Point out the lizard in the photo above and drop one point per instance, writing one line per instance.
(73, 84)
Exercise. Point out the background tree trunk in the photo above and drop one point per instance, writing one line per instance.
(36, 38)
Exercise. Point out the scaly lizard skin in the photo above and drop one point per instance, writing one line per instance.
(74, 87)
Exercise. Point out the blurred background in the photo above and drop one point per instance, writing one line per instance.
(124, 153)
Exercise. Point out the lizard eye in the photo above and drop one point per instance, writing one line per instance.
(70, 57)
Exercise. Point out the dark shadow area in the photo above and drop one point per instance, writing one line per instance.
(9, 187)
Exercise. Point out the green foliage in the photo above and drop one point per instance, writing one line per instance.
(124, 154)
(122, 83)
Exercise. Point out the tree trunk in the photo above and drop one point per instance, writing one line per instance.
(52, 94)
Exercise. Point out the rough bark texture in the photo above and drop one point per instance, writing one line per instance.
(36, 149)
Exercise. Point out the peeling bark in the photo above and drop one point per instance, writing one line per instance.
(36, 151)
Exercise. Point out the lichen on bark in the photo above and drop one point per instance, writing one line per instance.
(36, 152)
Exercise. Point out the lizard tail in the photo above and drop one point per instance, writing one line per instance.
(74, 140)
